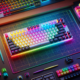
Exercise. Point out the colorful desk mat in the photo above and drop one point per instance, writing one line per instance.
(51, 54)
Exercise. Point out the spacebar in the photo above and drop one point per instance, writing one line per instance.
(18, 8)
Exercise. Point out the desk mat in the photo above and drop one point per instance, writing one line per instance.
(51, 54)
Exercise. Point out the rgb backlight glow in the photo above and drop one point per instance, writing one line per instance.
(37, 37)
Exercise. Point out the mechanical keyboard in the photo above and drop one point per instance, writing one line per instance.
(26, 40)
(10, 7)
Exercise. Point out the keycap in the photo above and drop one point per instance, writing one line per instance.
(51, 78)
(74, 74)
(19, 50)
(71, 75)
(58, 24)
(5, 75)
(67, 37)
(7, 11)
(20, 77)
(9, 41)
(66, 78)
(77, 73)
(14, 48)
(23, 48)
(55, 39)
(27, 75)
(4, 70)
(51, 40)
(60, 38)
(16, 51)
(63, 31)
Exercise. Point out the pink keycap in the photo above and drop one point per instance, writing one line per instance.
(75, 69)
(59, 75)
(70, 71)
(57, 71)
(60, 70)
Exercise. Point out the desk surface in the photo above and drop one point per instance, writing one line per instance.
(60, 62)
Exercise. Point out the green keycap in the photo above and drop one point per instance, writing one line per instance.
(63, 70)
(66, 69)
(4, 70)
